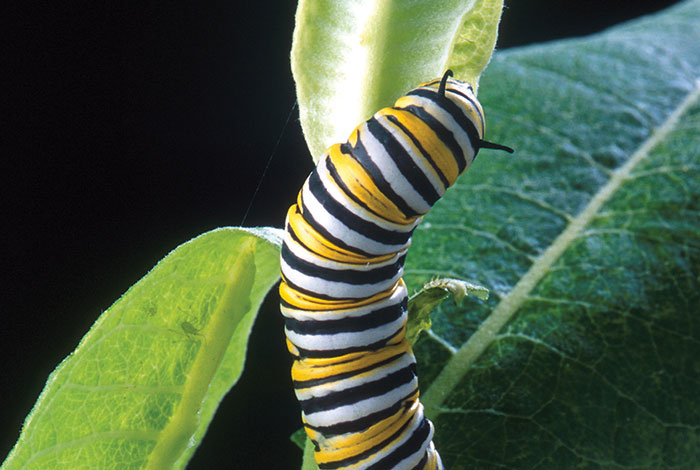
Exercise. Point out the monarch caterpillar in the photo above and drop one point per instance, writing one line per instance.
(342, 296)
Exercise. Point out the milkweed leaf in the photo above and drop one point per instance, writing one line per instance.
(473, 45)
(587, 354)
(350, 58)
(308, 462)
(145, 381)
(298, 437)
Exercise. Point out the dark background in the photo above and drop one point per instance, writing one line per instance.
(126, 131)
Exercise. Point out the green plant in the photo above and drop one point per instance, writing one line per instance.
(586, 353)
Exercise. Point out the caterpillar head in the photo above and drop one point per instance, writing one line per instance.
(462, 95)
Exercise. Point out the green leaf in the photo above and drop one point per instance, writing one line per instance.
(298, 437)
(473, 45)
(587, 354)
(309, 462)
(145, 381)
(350, 58)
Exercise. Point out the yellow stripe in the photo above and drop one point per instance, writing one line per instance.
(318, 244)
(475, 112)
(353, 206)
(321, 368)
(343, 447)
(361, 185)
(292, 349)
(429, 140)
(308, 302)
(432, 83)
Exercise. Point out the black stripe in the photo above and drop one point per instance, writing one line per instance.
(352, 221)
(419, 145)
(423, 461)
(453, 110)
(316, 295)
(369, 452)
(347, 276)
(286, 304)
(444, 134)
(296, 238)
(463, 120)
(333, 171)
(352, 395)
(313, 223)
(325, 354)
(372, 319)
(481, 116)
(404, 162)
(417, 439)
(363, 423)
(301, 384)
(359, 153)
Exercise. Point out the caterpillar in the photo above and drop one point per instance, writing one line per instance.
(342, 296)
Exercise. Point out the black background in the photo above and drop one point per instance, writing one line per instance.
(126, 131)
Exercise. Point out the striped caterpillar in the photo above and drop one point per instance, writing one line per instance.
(342, 295)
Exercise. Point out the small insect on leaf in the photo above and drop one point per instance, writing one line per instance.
(189, 328)
(192, 332)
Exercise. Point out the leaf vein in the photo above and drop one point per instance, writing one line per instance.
(460, 363)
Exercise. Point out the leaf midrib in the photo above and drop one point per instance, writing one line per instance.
(174, 439)
(458, 365)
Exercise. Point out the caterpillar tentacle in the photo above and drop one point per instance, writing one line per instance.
(343, 299)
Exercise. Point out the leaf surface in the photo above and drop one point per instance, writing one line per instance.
(145, 381)
(587, 354)
(351, 58)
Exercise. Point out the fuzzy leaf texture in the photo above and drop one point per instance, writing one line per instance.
(587, 354)
(143, 385)
(352, 58)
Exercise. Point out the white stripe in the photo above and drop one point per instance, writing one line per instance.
(338, 290)
(339, 341)
(465, 104)
(391, 172)
(397, 297)
(341, 231)
(448, 121)
(340, 196)
(303, 253)
(362, 408)
(420, 161)
(376, 374)
(410, 461)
